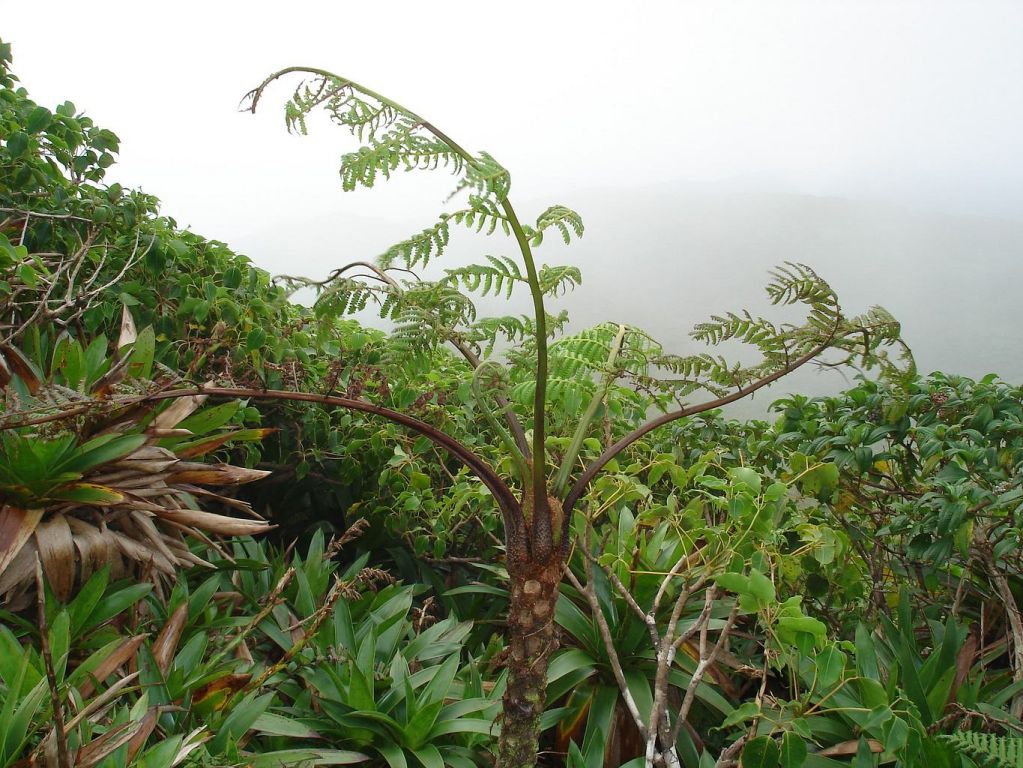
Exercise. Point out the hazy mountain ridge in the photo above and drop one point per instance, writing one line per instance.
(666, 257)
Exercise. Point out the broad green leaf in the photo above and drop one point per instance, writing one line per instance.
(761, 752)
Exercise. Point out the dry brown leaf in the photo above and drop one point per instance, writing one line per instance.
(105, 384)
(132, 550)
(21, 367)
(242, 652)
(6, 374)
(212, 443)
(166, 644)
(94, 549)
(20, 572)
(227, 501)
(145, 729)
(177, 411)
(220, 690)
(57, 551)
(16, 527)
(172, 432)
(214, 474)
(147, 453)
(96, 750)
(148, 528)
(216, 524)
(850, 747)
(120, 656)
(128, 331)
(102, 702)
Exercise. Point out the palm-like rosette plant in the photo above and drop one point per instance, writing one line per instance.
(88, 481)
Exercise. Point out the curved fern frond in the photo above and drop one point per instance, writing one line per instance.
(419, 248)
(500, 275)
(487, 331)
(744, 328)
(487, 176)
(565, 220)
(346, 296)
(556, 281)
(792, 283)
(483, 215)
(396, 149)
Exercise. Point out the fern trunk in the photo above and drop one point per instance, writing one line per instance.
(532, 638)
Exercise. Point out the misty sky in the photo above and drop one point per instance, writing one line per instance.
(698, 139)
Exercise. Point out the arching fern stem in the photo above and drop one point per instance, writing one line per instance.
(539, 485)
(503, 495)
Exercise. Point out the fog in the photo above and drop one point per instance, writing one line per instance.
(703, 142)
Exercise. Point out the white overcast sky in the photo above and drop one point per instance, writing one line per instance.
(920, 102)
(897, 102)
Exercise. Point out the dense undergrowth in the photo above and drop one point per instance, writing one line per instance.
(837, 585)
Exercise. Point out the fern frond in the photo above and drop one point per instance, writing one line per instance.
(426, 315)
(569, 393)
(418, 249)
(987, 749)
(797, 283)
(565, 220)
(394, 150)
(486, 176)
(744, 327)
(483, 213)
(556, 281)
(486, 332)
(346, 296)
(501, 275)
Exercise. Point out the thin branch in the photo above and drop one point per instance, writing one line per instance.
(609, 643)
(705, 661)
